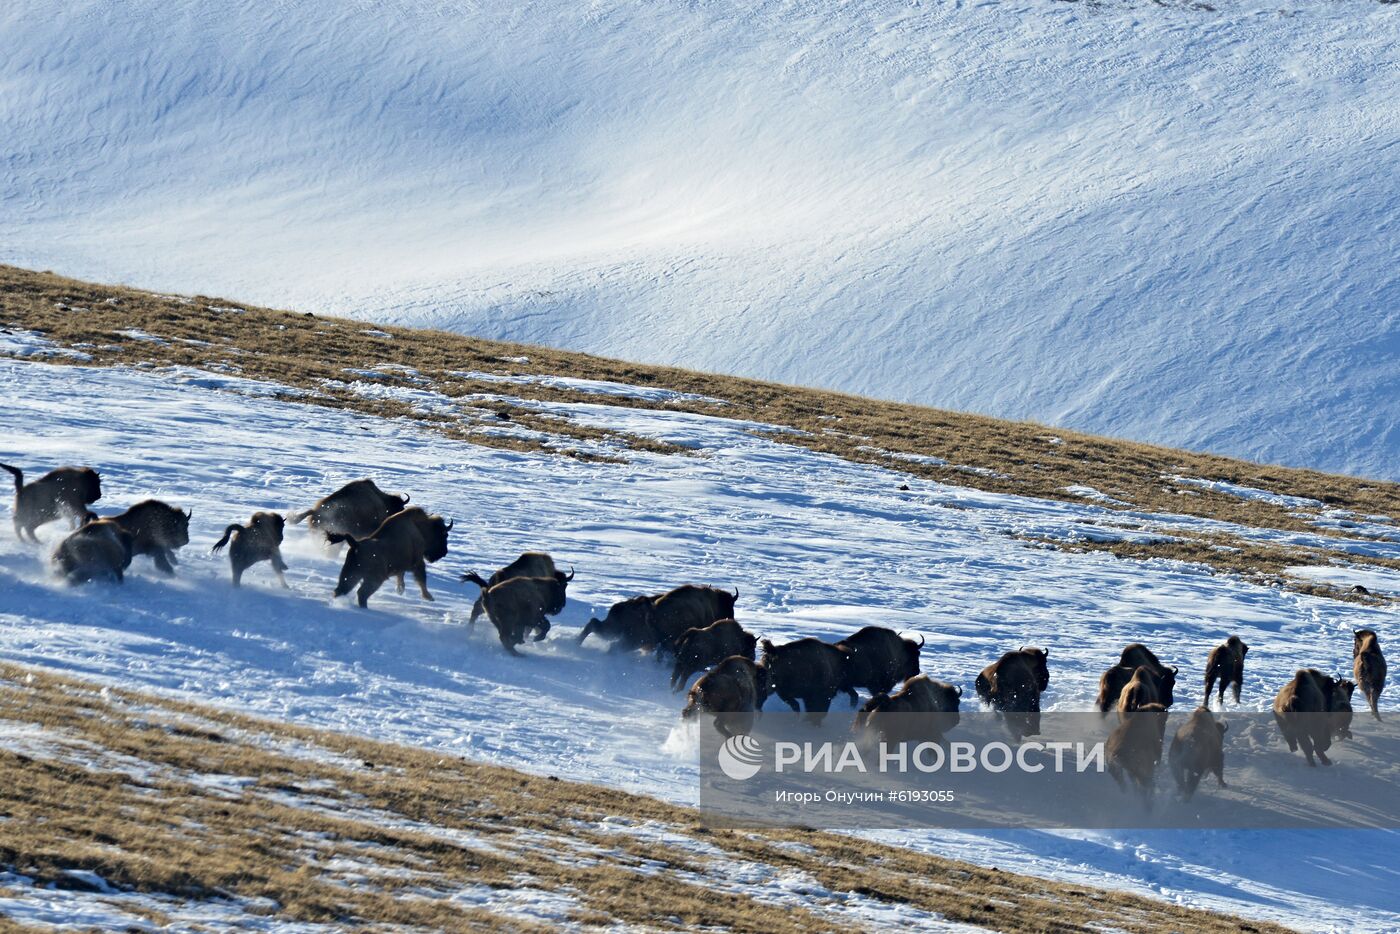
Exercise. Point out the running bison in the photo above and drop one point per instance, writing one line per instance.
(733, 691)
(521, 604)
(404, 543)
(157, 529)
(1226, 664)
(689, 607)
(698, 649)
(627, 625)
(810, 671)
(1197, 748)
(356, 510)
(99, 551)
(878, 658)
(1311, 711)
(1368, 665)
(924, 710)
(64, 493)
(1133, 657)
(1135, 747)
(1012, 685)
(529, 564)
(259, 540)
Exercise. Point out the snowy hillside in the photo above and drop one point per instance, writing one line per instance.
(1151, 220)
(816, 546)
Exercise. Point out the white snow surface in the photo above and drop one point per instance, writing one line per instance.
(1172, 221)
(816, 545)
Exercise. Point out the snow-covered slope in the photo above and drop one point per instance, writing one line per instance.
(1152, 220)
(816, 546)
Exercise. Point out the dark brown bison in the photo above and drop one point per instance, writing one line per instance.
(689, 607)
(924, 710)
(1143, 689)
(1197, 748)
(259, 540)
(63, 493)
(1012, 685)
(356, 510)
(807, 670)
(98, 551)
(1368, 666)
(157, 529)
(529, 564)
(404, 542)
(1133, 657)
(520, 604)
(878, 658)
(734, 691)
(628, 625)
(1226, 663)
(1135, 747)
(698, 649)
(1311, 711)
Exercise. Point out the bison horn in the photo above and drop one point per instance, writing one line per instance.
(1175, 669)
(450, 524)
(189, 514)
(405, 497)
(736, 593)
(958, 688)
(921, 640)
(571, 573)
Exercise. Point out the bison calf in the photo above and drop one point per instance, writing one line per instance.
(627, 625)
(878, 658)
(924, 710)
(1012, 686)
(807, 670)
(404, 542)
(259, 540)
(99, 551)
(1226, 664)
(1197, 748)
(1368, 665)
(62, 493)
(698, 649)
(521, 604)
(157, 529)
(734, 691)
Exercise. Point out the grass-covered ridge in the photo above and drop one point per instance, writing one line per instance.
(322, 358)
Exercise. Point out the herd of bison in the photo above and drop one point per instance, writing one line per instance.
(695, 627)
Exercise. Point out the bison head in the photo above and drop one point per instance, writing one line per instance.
(180, 527)
(726, 603)
(435, 537)
(558, 594)
(909, 666)
(1166, 681)
(1039, 664)
(89, 485)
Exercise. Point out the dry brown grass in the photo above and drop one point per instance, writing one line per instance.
(177, 800)
(311, 353)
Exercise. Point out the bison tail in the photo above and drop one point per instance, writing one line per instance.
(476, 579)
(18, 474)
(298, 518)
(219, 545)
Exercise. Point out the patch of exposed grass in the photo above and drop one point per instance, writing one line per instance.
(316, 354)
(177, 800)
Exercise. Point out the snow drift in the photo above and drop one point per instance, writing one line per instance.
(1165, 222)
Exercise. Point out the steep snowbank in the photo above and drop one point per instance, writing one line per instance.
(1156, 221)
